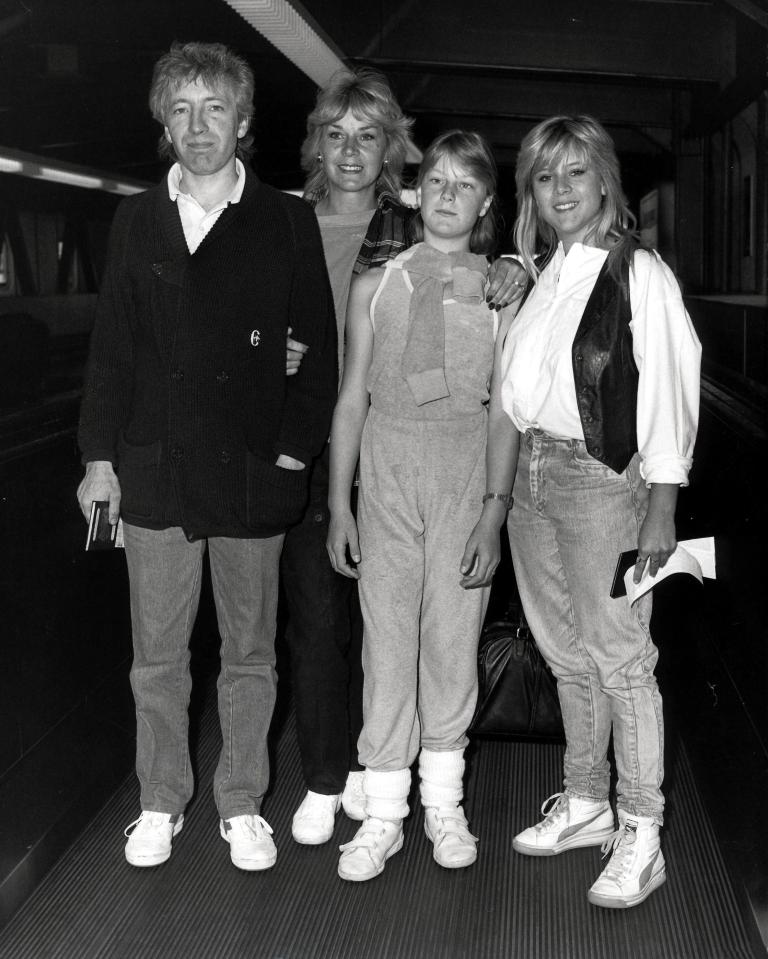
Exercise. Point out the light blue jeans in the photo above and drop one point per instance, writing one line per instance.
(164, 570)
(571, 518)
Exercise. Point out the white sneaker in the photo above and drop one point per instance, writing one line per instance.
(315, 818)
(568, 823)
(250, 842)
(447, 828)
(375, 841)
(150, 837)
(353, 797)
(636, 867)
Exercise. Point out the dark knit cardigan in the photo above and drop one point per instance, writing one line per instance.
(186, 391)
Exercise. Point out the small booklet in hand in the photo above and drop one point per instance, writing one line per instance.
(626, 562)
(101, 534)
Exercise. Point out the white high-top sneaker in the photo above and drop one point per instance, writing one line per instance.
(569, 823)
(636, 867)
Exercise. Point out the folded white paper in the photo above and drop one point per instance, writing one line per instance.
(693, 556)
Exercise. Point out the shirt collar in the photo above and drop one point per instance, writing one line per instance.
(578, 253)
(174, 184)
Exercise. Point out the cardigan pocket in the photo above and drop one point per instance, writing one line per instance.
(138, 474)
(276, 497)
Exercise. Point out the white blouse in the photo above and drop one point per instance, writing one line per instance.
(538, 389)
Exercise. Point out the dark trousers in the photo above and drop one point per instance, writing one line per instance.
(325, 632)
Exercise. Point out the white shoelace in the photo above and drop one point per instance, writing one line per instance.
(150, 820)
(622, 844)
(552, 809)
(253, 824)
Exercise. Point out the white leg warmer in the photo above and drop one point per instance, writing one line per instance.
(442, 775)
(386, 793)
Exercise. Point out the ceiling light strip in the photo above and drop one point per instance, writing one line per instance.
(286, 30)
(54, 171)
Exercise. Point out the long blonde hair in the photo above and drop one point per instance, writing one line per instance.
(545, 146)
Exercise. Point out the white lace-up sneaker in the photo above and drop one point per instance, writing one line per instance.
(150, 837)
(447, 828)
(250, 842)
(374, 842)
(315, 818)
(636, 867)
(569, 822)
(353, 797)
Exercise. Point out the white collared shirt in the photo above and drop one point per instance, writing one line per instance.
(196, 221)
(538, 388)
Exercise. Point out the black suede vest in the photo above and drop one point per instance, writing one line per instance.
(605, 372)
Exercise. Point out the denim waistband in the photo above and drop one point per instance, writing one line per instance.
(533, 433)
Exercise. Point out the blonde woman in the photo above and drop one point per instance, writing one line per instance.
(594, 413)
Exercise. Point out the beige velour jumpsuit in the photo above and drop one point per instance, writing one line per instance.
(422, 478)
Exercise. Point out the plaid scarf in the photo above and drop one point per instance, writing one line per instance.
(387, 234)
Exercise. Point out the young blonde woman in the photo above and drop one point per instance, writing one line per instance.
(594, 414)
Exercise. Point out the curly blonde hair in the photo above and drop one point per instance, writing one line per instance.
(367, 94)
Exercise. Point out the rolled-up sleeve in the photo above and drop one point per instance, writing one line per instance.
(668, 356)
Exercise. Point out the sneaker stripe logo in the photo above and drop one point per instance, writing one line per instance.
(570, 830)
(646, 874)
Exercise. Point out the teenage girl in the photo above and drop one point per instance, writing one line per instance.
(412, 406)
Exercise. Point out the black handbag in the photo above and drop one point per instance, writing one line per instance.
(517, 695)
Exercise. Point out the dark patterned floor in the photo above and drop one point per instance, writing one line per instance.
(92, 905)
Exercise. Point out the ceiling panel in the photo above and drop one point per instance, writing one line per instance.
(74, 75)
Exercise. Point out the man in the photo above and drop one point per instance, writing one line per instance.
(194, 434)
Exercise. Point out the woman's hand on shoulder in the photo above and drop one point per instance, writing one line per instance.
(506, 282)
